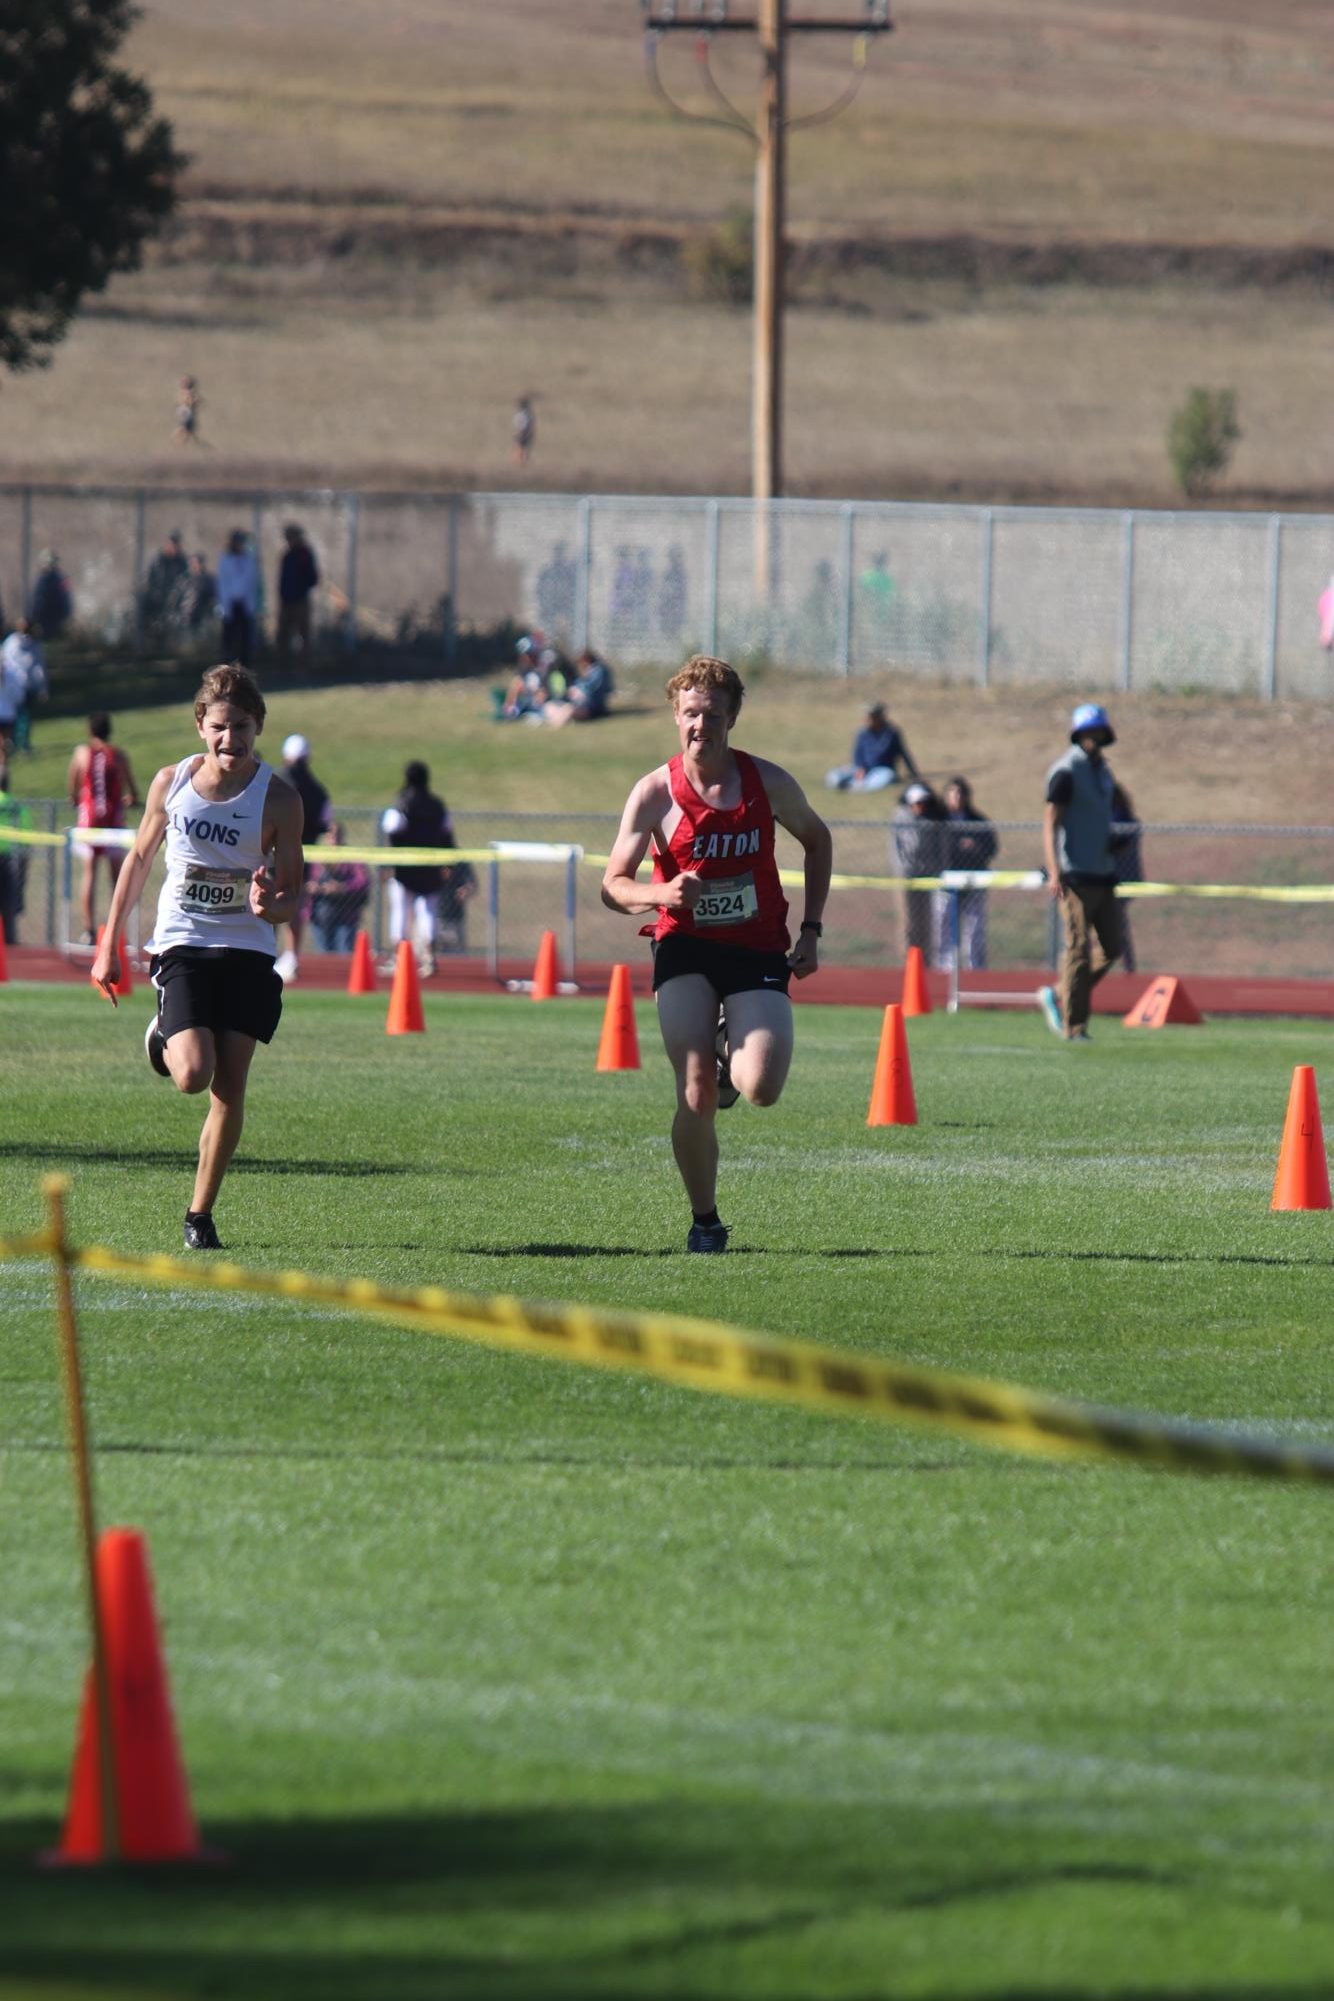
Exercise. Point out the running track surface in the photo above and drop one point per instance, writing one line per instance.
(856, 986)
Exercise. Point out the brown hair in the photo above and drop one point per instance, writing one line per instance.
(233, 684)
(704, 672)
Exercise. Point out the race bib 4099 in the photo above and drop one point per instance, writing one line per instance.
(220, 891)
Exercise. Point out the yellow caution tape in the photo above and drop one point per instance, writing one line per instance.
(1307, 893)
(995, 879)
(707, 1355)
(26, 838)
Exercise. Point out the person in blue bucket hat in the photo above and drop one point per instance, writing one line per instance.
(1081, 872)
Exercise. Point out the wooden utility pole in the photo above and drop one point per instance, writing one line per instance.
(770, 230)
(772, 27)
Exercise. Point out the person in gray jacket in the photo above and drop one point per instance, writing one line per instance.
(1081, 870)
(917, 845)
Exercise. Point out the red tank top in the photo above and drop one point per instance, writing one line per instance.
(733, 853)
(100, 792)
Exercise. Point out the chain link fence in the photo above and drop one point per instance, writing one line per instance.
(1088, 599)
(496, 910)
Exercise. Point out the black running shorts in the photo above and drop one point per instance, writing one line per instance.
(199, 988)
(730, 969)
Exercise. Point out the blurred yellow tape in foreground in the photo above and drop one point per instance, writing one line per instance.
(706, 1355)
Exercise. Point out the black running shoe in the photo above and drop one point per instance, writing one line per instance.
(200, 1235)
(727, 1090)
(155, 1048)
(707, 1237)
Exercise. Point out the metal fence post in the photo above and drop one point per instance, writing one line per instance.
(353, 527)
(1127, 597)
(136, 584)
(711, 532)
(451, 621)
(845, 614)
(571, 901)
(984, 610)
(25, 548)
(50, 828)
(493, 920)
(584, 585)
(1270, 688)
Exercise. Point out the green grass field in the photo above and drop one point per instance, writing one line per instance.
(504, 1679)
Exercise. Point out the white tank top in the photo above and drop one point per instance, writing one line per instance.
(212, 848)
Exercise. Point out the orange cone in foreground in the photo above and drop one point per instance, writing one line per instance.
(405, 1000)
(1302, 1180)
(619, 1047)
(124, 986)
(892, 1100)
(361, 974)
(544, 969)
(156, 1824)
(916, 999)
(1165, 1004)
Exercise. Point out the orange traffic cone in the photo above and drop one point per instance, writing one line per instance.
(124, 986)
(361, 976)
(1302, 1180)
(916, 999)
(619, 1047)
(153, 1795)
(544, 969)
(405, 1000)
(892, 1100)
(1165, 1004)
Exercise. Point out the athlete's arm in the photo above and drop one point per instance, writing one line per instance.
(75, 778)
(276, 896)
(792, 809)
(131, 789)
(1052, 816)
(130, 882)
(645, 811)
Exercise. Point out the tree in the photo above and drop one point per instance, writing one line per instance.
(87, 172)
(1200, 438)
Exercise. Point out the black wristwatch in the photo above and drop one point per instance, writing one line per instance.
(811, 925)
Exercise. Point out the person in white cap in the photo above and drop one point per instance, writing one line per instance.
(917, 837)
(317, 816)
(1079, 850)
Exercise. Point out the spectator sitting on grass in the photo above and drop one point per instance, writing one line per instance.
(589, 693)
(539, 678)
(876, 752)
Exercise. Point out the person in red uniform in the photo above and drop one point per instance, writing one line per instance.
(722, 956)
(101, 786)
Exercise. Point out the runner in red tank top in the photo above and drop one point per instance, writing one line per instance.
(101, 785)
(721, 963)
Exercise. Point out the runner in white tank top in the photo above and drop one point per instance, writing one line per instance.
(232, 829)
(213, 850)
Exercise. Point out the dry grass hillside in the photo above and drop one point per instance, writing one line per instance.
(1039, 224)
